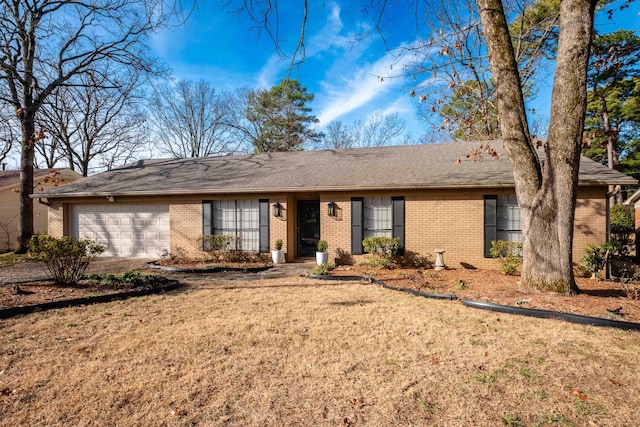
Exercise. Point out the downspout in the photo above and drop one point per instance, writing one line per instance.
(608, 200)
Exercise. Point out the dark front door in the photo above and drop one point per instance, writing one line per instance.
(308, 227)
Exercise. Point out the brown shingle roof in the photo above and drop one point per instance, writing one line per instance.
(400, 167)
(11, 178)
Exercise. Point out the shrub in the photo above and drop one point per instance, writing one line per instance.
(278, 245)
(632, 290)
(381, 246)
(215, 242)
(622, 226)
(323, 246)
(595, 258)
(133, 278)
(321, 270)
(66, 259)
(509, 254)
(378, 262)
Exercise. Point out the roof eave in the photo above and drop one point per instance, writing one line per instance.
(303, 189)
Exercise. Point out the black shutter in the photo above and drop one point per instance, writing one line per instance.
(356, 225)
(264, 225)
(490, 222)
(398, 221)
(207, 222)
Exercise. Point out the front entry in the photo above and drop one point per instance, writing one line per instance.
(308, 227)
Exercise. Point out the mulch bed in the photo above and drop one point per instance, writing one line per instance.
(46, 295)
(598, 298)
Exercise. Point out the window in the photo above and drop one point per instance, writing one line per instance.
(508, 226)
(242, 220)
(501, 220)
(377, 217)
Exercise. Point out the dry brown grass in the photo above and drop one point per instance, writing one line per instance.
(304, 352)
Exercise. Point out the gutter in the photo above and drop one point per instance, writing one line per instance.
(325, 189)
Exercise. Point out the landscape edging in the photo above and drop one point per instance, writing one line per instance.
(548, 314)
(377, 282)
(5, 313)
(481, 305)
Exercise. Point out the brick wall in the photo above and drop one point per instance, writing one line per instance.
(56, 216)
(185, 218)
(337, 230)
(186, 223)
(440, 219)
(453, 220)
(591, 220)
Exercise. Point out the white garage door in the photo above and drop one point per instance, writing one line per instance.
(126, 230)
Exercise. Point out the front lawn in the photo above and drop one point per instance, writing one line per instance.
(299, 351)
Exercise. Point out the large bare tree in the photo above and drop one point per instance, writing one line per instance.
(546, 188)
(45, 43)
(377, 131)
(193, 120)
(9, 132)
(91, 126)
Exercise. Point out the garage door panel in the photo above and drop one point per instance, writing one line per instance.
(125, 229)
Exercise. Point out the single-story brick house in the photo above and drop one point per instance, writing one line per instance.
(43, 179)
(420, 193)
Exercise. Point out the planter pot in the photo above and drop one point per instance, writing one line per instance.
(322, 258)
(277, 257)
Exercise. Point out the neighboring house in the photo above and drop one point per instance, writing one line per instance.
(634, 202)
(421, 194)
(43, 179)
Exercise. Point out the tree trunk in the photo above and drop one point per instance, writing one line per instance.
(546, 189)
(25, 220)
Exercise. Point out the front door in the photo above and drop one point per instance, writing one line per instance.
(308, 226)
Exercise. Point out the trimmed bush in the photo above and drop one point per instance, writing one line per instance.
(595, 257)
(622, 226)
(214, 243)
(322, 246)
(384, 247)
(509, 254)
(66, 259)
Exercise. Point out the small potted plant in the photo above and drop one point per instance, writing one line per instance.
(277, 255)
(322, 256)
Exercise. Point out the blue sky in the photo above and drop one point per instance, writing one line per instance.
(222, 47)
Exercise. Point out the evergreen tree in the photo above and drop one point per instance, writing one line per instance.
(280, 118)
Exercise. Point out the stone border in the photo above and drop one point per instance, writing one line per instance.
(27, 309)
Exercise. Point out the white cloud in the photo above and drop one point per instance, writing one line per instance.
(326, 39)
(271, 72)
(357, 90)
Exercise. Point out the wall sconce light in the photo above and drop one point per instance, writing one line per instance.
(111, 198)
(331, 209)
(276, 209)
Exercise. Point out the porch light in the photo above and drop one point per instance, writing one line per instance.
(111, 198)
(331, 209)
(276, 209)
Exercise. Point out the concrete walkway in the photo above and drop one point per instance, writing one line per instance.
(31, 271)
(293, 269)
